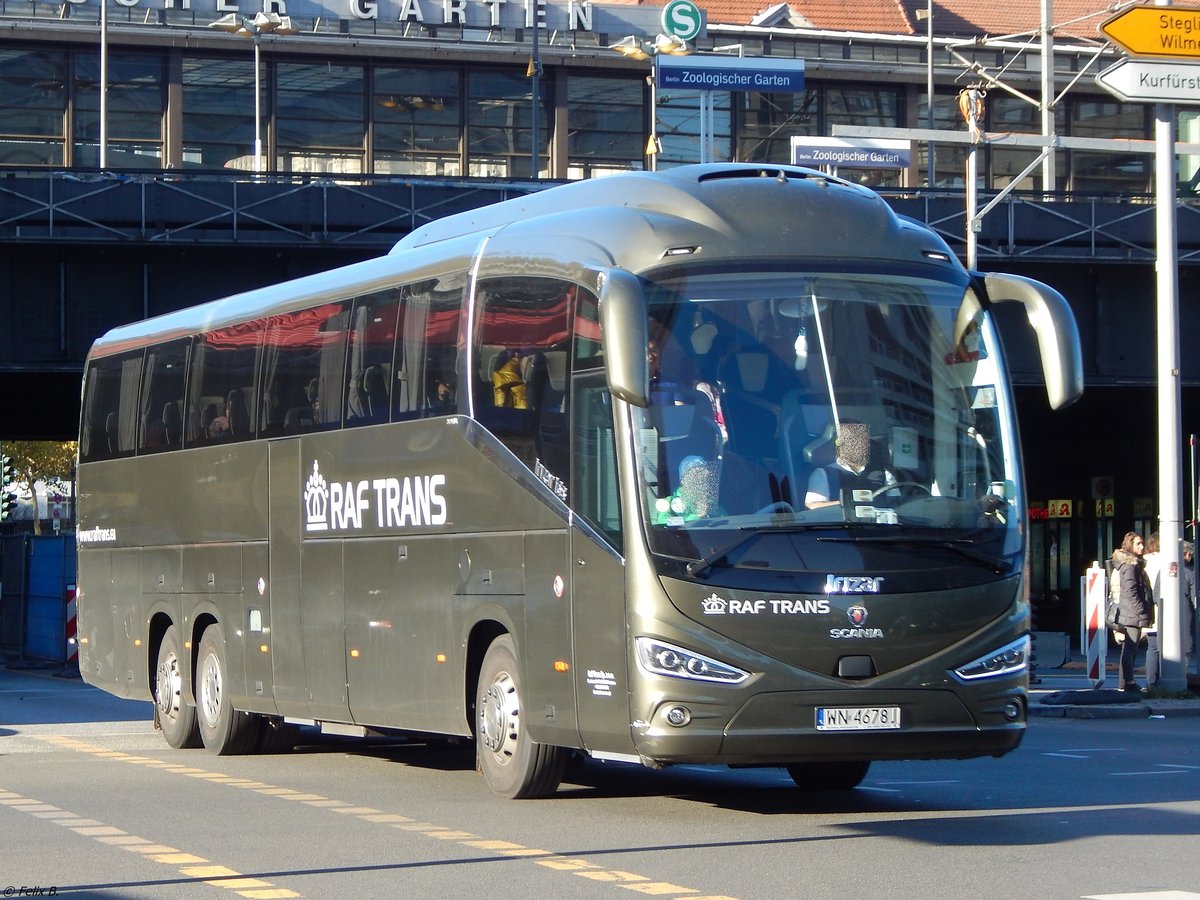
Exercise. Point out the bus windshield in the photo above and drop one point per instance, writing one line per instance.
(797, 406)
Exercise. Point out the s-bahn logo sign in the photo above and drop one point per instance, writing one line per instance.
(412, 501)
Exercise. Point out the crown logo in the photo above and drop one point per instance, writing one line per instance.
(713, 605)
(316, 501)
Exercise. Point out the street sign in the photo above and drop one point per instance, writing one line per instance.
(1156, 31)
(851, 153)
(1150, 81)
(729, 73)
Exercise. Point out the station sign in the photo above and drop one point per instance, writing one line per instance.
(1152, 81)
(729, 73)
(851, 153)
(682, 19)
(1156, 31)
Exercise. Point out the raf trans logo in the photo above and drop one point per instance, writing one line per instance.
(713, 605)
(408, 502)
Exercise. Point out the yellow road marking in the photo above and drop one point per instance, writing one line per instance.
(578, 866)
(217, 875)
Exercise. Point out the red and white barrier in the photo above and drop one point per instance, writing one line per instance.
(1095, 632)
(72, 643)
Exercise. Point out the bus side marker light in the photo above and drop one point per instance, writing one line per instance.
(561, 665)
(262, 648)
(137, 642)
(441, 657)
(354, 654)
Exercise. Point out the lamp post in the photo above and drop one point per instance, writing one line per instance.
(635, 47)
(255, 27)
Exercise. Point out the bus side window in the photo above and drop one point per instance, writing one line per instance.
(111, 417)
(223, 367)
(371, 343)
(297, 348)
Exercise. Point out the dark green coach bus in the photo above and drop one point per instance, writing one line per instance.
(715, 465)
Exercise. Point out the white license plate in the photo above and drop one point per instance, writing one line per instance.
(857, 718)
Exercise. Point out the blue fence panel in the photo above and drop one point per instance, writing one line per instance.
(51, 567)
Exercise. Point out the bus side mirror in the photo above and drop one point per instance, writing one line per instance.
(624, 336)
(1057, 335)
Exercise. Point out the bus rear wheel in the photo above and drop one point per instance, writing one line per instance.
(224, 730)
(171, 712)
(829, 776)
(512, 765)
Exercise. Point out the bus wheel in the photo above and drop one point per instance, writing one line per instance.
(512, 765)
(829, 776)
(174, 716)
(224, 730)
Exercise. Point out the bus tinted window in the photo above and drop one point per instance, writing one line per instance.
(300, 351)
(428, 352)
(162, 397)
(521, 371)
(110, 415)
(370, 373)
(221, 394)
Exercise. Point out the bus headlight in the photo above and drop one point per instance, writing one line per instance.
(1008, 660)
(662, 658)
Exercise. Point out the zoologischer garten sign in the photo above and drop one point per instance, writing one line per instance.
(729, 73)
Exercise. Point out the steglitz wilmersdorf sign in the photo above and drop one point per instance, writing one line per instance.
(1149, 81)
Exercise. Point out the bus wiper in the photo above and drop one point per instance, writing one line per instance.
(962, 546)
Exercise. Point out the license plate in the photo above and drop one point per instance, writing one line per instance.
(857, 718)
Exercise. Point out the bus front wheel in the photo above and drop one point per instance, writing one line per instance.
(224, 730)
(171, 712)
(512, 765)
(829, 776)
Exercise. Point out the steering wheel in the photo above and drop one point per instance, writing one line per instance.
(896, 485)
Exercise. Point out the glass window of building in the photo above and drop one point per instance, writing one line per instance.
(33, 85)
(218, 113)
(319, 118)
(1109, 172)
(1188, 165)
(949, 159)
(606, 125)
(1013, 115)
(498, 125)
(136, 100)
(846, 105)
(417, 115)
(769, 122)
(679, 127)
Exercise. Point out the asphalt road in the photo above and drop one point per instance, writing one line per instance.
(94, 804)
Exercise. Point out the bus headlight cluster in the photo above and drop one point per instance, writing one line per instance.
(662, 658)
(1008, 660)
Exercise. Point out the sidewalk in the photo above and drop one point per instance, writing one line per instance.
(1067, 693)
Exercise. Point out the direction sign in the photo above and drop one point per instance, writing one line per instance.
(1149, 81)
(1156, 31)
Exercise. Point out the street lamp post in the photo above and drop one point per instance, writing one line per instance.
(635, 47)
(255, 27)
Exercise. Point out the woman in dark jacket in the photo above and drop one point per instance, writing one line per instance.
(1135, 601)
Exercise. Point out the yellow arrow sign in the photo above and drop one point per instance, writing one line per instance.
(1170, 31)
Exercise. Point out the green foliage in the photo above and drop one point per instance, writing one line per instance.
(50, 462)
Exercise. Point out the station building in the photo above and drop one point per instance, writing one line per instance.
(159, 153)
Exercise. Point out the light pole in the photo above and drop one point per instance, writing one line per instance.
(255, 27)
(635, 47)
(930, 150)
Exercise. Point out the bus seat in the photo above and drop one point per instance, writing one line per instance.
(375, 391)
(111, 436)
(239, 414)
(749, 380)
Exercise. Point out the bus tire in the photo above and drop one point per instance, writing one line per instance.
(829, 776)
(224, 730)
(172, 713)
(512, 765)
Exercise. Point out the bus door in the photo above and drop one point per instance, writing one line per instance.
(598, 571)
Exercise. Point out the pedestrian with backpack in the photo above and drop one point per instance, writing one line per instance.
(1135, 602)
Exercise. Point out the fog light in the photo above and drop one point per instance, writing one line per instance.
(679, 716)
(1012, 710)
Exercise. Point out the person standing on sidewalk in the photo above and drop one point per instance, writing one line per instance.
(1136, 602)
(1153, 561)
